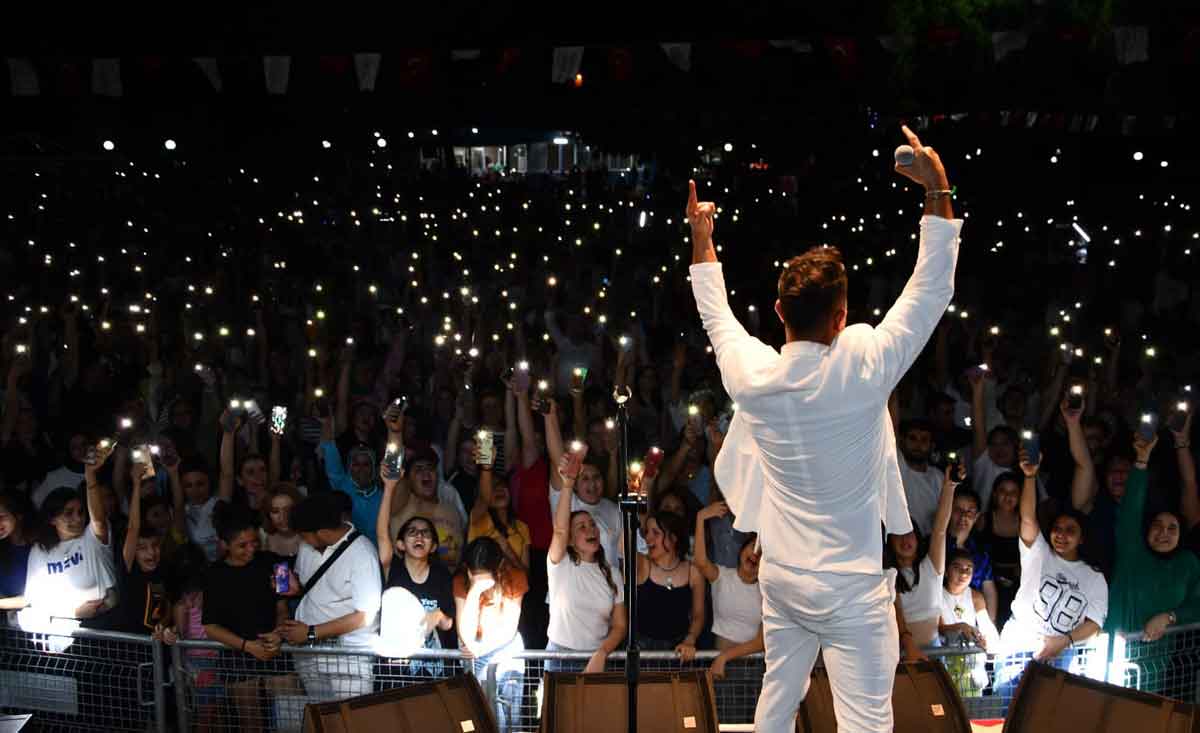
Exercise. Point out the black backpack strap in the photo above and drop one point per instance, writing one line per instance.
(354, 535)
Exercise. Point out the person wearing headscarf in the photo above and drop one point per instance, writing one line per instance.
(358, 478)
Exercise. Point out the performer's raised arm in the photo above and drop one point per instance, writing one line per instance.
(909, 323)
(736, 350)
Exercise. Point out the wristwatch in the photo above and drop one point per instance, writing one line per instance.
(1172, 619)
(312, 635)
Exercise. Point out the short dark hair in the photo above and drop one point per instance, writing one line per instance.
(317, 512)
(937, 399)
(1007, 432)
(916, 423)
(964, 492)
(811, 286)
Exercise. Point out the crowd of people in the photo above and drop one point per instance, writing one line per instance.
(400, 425)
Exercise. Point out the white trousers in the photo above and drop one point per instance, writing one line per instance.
(851, 621)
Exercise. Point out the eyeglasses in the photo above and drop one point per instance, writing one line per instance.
(968, 513)
(418, 532)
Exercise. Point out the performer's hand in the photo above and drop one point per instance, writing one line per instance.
(716, 509)
(700, 216)
(926, 168)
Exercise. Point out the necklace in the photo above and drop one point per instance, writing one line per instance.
(670, 580)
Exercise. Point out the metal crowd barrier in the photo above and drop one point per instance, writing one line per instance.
(105, 681)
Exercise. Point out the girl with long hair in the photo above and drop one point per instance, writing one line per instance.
(587, 600)
(488, 590)
(492, 516)
(277, 535)
(1001, 535)
(671, 589)
(920, 565)
(71, 573)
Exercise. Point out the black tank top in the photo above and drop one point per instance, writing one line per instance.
(664, 614)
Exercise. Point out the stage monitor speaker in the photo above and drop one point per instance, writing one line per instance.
(1050, 699)
(924, 700)
(668, 702)
(455, 705)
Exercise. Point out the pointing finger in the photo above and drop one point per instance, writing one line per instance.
(692, 202)
(912, 137)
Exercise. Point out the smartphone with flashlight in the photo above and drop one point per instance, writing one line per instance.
(979, 371)
(1148, 426)
(694, 418)
(1031, 446)
(279, 415)
(574, 460)
(653, 460)
(393, 461)
(625, 343)
(1179, 416)
(521, 376)
(1075, 397)
(578, 377)
(541, 400)
(487, 447)
(145, 455)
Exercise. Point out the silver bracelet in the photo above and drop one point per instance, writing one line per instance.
(939, 193)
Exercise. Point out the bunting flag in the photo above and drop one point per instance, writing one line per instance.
(276, 70)
(620, 64)
(1132, 44)
(679, 54)
(794, 45)
(567, 60)
(22, 78)
(366, 68)
(212, 72)
(106, 77)
(1007, 42)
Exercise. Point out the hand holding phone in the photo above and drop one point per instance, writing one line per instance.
(279, 415)
(521, 377)
(578, 377)
(393, 462)
(1031, 446)
(486, 454)
(1177, 421)
(541, 400)
(573, 460)
(1075, 397)
(1148, 426)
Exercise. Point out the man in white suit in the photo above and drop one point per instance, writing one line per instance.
(810, 458)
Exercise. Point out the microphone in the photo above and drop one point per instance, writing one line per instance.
(904, 155)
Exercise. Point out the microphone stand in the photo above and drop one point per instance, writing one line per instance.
(632, 503)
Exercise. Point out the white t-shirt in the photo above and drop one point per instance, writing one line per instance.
(200, 528)
(605, 514)
(75, 571)
(351, 584)
(58, 478)
(737, 607)
(958, 609)
(923, 489)
(923, 602)
(581, 603)
(1054, 598)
